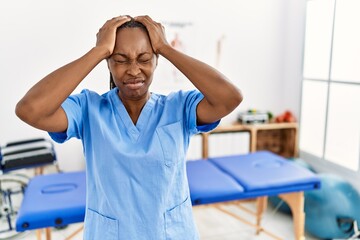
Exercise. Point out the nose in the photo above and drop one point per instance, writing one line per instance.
(133, 69)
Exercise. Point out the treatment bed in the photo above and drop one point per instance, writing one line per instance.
(227, 180)
(59, 199)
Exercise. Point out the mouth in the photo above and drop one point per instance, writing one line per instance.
(134, 83)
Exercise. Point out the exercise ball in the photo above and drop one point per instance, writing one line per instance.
(332, 209)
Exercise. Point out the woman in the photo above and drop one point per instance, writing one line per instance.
(134, 141)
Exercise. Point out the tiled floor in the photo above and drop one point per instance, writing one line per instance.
(215, 225)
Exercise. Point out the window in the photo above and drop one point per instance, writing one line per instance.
(330, 107)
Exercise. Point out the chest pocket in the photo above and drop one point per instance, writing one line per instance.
(171, 138)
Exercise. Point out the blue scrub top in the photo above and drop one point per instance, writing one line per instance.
(136, 174)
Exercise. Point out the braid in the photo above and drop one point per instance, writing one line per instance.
(112, 84)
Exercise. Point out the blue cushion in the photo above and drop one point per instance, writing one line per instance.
(209, 184)
(263, 170)
(53, 200)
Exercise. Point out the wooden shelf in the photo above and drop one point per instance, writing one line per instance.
(280, 138)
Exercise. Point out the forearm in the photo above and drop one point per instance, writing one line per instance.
(215, 87)
(220, 96)
(46, 97)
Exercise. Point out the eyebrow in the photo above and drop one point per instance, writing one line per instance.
(126, 56)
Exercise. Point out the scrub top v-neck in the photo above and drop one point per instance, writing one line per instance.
(136, 174)
(134, 130)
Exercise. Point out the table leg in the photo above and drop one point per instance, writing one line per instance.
(296, 204)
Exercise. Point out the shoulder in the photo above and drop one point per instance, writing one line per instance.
(180, 96)
(90, 95)
(87, 99)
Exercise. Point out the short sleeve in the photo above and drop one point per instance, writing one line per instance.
(192, 100)
(73, 107)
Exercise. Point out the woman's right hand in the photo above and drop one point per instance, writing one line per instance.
(41, 105)
(105, 38)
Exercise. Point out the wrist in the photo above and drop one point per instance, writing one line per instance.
(101, 52)
(165, 50)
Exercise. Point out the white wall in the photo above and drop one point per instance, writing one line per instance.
(262, 50)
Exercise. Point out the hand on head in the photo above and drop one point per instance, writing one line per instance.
(106, 36)
(156, 33)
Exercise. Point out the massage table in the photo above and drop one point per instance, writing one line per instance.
(251, 176)
(53, 200)
(59, 199)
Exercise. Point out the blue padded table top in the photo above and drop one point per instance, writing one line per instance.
(265, 170)
(209, 184)
(53, 200)
(246, 176)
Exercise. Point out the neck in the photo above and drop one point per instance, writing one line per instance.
(135, 106)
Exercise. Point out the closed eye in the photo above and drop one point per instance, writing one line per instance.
(144, 60)
(121, 61)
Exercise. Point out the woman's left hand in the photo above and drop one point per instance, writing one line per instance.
(220, 96)
(156, 32)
